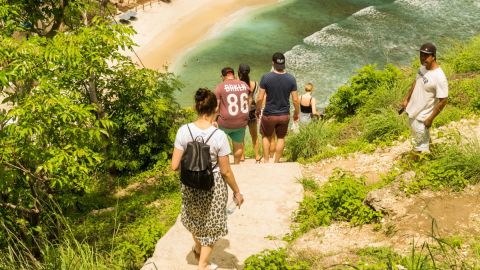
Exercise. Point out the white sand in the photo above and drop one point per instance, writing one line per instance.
(165, 31)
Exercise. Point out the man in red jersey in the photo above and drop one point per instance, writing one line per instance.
(234, 100)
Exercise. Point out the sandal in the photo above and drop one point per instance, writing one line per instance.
(196, 253)
(258, 161)
(212, 266)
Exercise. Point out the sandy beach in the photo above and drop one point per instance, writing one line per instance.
(165, 31)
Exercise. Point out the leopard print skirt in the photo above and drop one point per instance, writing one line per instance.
(204, 212)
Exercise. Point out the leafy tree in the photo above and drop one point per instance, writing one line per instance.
(49, 17)
(79, 107)
(50, 152)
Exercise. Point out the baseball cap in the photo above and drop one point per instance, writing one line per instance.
(243, 68)
(227, 70)
(278, 61)
(428, 48)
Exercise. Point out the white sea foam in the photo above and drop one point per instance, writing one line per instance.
(424, 5)
(331, 35)
(370, 11)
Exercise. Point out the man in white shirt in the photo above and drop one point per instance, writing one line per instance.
(426, 98)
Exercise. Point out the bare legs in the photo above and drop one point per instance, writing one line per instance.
(237, 152)
(204, 255)
(204, 251)
(252, 128)
(272, 147)
(279, 149)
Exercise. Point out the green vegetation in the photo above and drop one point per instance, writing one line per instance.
(84, 121)
(84, 148)
(351, 97)
(274, 260)
(361, 116)
(340, 199)
(453, 166)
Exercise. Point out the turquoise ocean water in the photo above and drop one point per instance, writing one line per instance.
(325, 41)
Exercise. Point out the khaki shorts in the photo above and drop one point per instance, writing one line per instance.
(420, 134)
(275, 123)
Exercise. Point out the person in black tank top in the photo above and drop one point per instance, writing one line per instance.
(308, 107)
(243, 75)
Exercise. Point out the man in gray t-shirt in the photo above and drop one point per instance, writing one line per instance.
(278, 85)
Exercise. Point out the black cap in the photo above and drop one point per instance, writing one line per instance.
(243, 68)
(227, 70)
(428, 48)
(278, 61)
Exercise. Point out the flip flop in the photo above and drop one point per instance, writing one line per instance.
(258, 161)
(212, 266)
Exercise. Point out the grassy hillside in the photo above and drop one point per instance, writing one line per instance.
(362, 117)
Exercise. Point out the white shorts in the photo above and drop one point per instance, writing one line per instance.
(421, 135)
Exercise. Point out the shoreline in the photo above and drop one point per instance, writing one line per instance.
(167, 31)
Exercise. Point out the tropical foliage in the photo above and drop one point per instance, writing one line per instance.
(81, 111)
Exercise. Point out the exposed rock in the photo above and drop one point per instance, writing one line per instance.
(337, 238)
(385, 201)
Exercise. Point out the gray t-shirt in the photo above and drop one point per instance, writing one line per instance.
(219, 145)
(278, 88)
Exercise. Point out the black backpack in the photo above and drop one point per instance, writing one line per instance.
(196, 169)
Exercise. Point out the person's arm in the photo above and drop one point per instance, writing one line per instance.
(314, 107)
(296, 105)
(227, 174)
(408, 96)
(436, 110)
(219, 99)
(176, 158)
(260, 98)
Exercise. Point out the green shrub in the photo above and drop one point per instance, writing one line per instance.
(340, 199)
(349, 98)
(452, 166)
(273, 260)
(464, 93)
(386, 96)
(464, 57)
(311, 140)
(384, 126)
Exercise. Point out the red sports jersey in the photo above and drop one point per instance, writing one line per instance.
(233, 100)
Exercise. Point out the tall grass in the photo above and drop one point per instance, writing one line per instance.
(451, 166)
(384, 126)
(464, 57)
(48, 253)
(312, 139)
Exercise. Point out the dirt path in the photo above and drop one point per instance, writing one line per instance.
(272, 193)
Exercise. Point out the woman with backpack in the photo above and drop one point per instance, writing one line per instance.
(204, 211)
